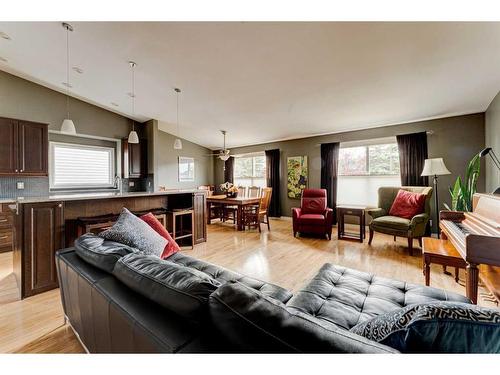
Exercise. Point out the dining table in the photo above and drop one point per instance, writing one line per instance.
(239, 202)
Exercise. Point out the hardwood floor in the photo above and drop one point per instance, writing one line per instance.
(36, 324)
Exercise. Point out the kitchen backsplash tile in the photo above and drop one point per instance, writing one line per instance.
(33, 187)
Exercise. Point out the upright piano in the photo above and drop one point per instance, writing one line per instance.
(476, 236)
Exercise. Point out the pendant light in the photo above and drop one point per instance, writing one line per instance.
(67, 127)
(133, 137)
(178, 142)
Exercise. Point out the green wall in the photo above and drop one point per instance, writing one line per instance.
(455, 139)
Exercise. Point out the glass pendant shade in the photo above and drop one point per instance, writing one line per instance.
(133, 137)
(178, 144)
(68, 127)
(224, 157)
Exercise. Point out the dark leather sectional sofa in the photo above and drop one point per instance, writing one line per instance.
(132, 303)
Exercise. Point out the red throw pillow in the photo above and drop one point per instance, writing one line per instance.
(171, 247)
(407, 204)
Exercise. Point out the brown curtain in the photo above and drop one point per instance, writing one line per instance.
(229, 170)
(412, 154)
(329, 173)
(273, 181)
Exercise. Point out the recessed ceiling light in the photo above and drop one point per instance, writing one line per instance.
(114, 104)
(3, 59)
(4, 36)
(67, 85)
(78, 70)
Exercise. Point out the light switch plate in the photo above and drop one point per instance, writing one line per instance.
(20, 185)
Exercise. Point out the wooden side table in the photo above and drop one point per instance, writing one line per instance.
(441, 252)
(356, 211)
(178, 228)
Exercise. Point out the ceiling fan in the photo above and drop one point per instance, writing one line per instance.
(223, 154)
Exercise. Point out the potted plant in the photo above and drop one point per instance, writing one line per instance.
(230, 190)
(463, 190)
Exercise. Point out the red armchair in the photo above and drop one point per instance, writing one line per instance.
(313, 216)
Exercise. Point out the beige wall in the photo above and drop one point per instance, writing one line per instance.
(456, 139)
(492, 137)
(166, 164)
(22, 99)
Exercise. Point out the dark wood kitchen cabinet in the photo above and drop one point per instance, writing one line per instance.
(135, 159)
(200, 217)
(43, 236)
(24, 148)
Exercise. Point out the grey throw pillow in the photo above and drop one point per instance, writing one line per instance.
(134, 232)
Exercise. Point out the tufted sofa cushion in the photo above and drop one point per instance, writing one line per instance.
(344, 297)
(101, 253)
(182, 290)
(223, 275)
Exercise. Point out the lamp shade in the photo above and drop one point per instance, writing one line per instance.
(133, 137)
(68, 127)
(434, 167)
(224, 157)
(177, 144)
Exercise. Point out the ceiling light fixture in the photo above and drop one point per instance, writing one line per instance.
(133, 137)
(78, 70)
(5, 36)
(177, 142)
(114, 104)
(68, 126)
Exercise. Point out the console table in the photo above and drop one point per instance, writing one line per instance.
(356, 211)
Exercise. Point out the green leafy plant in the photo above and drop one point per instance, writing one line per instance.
(463, 190)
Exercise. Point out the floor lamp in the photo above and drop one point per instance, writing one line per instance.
(435, 167)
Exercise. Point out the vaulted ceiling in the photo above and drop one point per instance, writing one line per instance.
(266, 81)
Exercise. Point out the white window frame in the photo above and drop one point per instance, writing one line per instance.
(112, 166)
(367, 144)
(251, 178)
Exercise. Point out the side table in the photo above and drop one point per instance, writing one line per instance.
(356, 211)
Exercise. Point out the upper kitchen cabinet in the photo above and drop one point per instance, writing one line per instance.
(23, 148)
(135, 159)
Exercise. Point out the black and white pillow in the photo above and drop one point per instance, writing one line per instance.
(132, 231)
(436, 327)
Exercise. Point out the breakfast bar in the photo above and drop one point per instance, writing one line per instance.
(43, 225)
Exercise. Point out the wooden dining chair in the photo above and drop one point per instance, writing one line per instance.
(253, 192)
(215, 208)
(242, 190)
(265, 202)
(251, 216)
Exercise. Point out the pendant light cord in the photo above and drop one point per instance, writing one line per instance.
(132, 65)
(67, 71)
(178, 114)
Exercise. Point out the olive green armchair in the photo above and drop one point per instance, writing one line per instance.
(397, 226)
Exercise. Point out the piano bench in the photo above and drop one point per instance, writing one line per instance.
(440, 252)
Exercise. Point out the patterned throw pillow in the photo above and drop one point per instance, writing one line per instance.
(437, 327)
(132, 231)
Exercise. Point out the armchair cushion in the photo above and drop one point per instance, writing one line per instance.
(407, 204)
(312, 219)
(392, 222)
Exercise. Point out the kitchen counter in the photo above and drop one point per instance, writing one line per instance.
(44, 225)
(91, 196)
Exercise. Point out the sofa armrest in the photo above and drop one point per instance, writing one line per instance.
(376, 212)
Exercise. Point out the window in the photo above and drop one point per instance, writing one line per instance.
(250, 170)
(364, 167)
(81, 166)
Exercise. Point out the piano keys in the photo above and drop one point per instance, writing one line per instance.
(476, 237)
